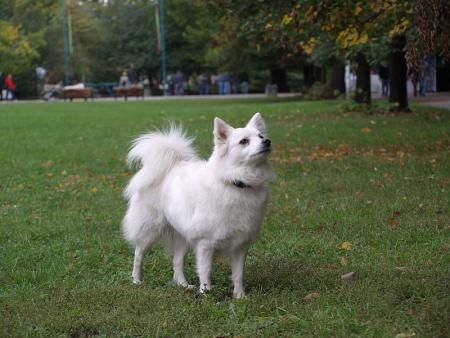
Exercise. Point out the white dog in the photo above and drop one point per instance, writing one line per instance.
(215, 205)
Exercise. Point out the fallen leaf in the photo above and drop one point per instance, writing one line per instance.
(366, 130)
(393, 224)
(47, 164)
(311, 296)
(50, 175)
(346, 246)
(405, 335)
(94, 189)
(349, 277)
(344, 261)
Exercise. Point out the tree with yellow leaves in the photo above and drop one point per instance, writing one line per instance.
(367, 31)
(16, 49)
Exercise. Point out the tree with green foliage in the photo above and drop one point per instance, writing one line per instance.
(23, 25)
(247, 40)
(109, 36)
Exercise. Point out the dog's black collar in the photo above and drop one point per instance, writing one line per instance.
(241, 184)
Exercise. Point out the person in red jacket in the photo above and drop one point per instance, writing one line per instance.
(10, 87)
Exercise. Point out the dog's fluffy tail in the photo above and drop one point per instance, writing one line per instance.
(156, 153)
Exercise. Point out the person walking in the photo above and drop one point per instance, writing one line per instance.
(383, 73)
(145, 82)
(226, 83)
(414, 76)
(203, 84)
(179, 83)
(10, 88)
(243, 78)
(424, 77)
(132, 74)
(220, 83)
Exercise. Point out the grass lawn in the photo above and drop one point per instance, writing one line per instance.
(378, 182)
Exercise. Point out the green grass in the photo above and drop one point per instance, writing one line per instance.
(65, 269)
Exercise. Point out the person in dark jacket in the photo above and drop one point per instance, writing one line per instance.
(383, 73)
(132, 74)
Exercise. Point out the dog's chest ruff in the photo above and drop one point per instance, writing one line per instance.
(236, 214)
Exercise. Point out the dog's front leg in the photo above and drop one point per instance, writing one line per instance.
(237, 261)
(181, 247)
(204, 255)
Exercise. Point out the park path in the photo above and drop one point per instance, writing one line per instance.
(438, 100)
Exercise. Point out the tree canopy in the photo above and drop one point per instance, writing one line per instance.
(216, 35)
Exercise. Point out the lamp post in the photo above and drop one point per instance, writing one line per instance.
(66, 42)
(163, 47)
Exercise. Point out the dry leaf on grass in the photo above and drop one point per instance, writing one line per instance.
(311, 296)
(393, 224)
(349, 277)
(47, 164)
(366, 130)
(405, 335)
(346, 245)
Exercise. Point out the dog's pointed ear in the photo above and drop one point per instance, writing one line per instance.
(221, 130)
(257, 122)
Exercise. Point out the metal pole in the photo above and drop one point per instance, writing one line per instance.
(66, 42)
(163, 46)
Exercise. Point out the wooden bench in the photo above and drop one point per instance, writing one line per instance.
(71, 94)
(126, 92)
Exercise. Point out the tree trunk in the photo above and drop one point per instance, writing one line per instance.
(398, 75)
(278, 76)
(362, 94)
(308, 75)
(337, 78)
(319, 74)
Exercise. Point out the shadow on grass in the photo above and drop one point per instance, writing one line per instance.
(274, 275)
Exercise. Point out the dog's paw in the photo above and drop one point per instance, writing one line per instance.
(239, 295)
(137, 281)
(185, 285)
(204, 288)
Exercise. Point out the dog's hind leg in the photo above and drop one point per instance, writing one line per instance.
(142, 229)
(139, 254)
(142, 247)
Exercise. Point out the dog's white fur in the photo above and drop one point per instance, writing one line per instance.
(180, 200)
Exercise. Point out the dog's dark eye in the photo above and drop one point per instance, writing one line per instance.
(260, 136)
(244, 141)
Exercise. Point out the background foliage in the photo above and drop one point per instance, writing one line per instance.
(267, 39)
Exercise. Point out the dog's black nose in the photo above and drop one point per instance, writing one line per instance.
(267, 142)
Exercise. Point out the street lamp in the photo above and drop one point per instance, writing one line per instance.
(161, 41)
